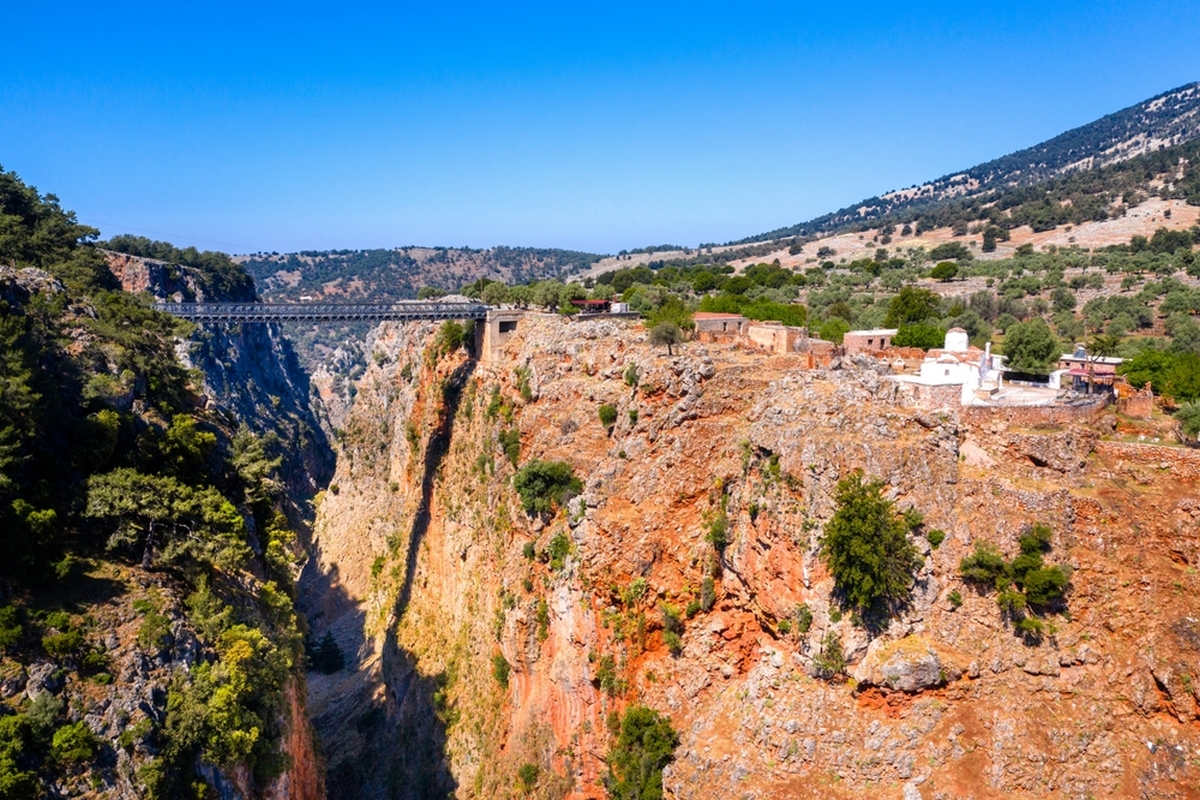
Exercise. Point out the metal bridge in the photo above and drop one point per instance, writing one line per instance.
(408, 311)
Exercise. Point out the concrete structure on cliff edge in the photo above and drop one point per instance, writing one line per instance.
(494, 331)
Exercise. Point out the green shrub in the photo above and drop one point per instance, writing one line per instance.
(1188, 417)
(1045, 586)
(833, 330)
(326, 655)
(543, 619)
(866, 547)
(673, 641)
(136, 734)
(633, 416)
(984, 566)
(919, 334)
(494, 405)
(708, 594)
(671, 620)
(830, 660)
(804, 618)
(153, 633)
(560, 548)
(936, 537)
(607, 677)
(529, 551)
(718, 531)
(645, 743)
(17, 743)
(527, 774)
(11, 629)
(63, 644)
(631, 376)
(500, 669)
(608, 416)
(74, 743)
(510, 442)
(634, 592)
(955, 598)
(43, 713)
(450, 337)
(377, 567)
(523, 387)
(1029, 627)
(1036, 539)
(944, 271)
(545, 486)
(1022, 565)
(785, 626)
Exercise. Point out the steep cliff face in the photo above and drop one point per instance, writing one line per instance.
(480, 639)
(252, 380)
(250, 372)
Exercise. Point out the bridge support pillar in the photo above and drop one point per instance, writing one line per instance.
(493, 333)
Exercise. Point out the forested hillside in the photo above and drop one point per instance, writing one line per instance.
(148, 641)
(400, 274)
(1065, 166)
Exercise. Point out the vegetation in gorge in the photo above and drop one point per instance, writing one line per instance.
(867, 549)
(108, 463)
(644, 743)
(1025, 585)
(546, 486)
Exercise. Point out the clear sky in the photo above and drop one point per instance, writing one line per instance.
(601, 126)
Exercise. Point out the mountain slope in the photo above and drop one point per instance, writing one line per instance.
(149, 646)
(1164, 121)
(398, 274)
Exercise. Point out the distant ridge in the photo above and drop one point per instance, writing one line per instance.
(1169, 119)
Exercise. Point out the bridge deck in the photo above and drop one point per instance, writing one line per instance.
(323, 312)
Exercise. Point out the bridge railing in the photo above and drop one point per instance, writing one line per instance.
(323, 312)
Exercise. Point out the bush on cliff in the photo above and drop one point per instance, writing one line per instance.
(545, 486)
(866, 548)
(1024, 584)
(645, 744)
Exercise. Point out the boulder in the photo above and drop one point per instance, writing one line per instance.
(911, 664)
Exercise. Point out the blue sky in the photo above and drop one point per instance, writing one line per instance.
(285, 126)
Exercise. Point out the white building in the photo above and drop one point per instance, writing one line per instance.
(960, 364)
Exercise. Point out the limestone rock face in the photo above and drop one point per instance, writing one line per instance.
(910, 664)
(435, 582)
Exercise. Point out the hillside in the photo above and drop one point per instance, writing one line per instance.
(149, 646)
(1164, 121)
(399, 274)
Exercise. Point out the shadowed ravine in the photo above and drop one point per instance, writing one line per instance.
(401, 728)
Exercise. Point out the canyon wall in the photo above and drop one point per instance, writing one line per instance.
(251, 379)
(479, 638)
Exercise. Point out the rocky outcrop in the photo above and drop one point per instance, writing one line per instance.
(911, 664)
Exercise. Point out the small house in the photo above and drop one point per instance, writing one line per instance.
(870, 342)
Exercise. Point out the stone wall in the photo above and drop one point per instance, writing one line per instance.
(1134, 403)
(1183, 463)
(1035, 416)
